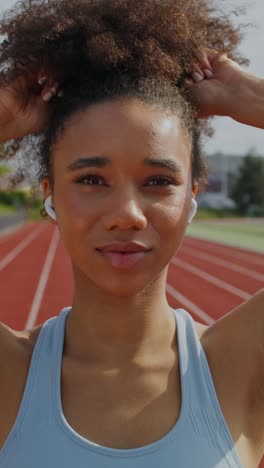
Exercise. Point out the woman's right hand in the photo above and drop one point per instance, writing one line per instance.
(26, 106)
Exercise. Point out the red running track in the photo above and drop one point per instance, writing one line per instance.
(205, 278)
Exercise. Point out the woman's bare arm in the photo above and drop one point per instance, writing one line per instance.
(248, 107)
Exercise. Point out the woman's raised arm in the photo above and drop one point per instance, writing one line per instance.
(25, 107)
(248, 106)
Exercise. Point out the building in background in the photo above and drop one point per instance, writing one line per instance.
(222, 169)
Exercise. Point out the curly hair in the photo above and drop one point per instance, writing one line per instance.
(105, 49)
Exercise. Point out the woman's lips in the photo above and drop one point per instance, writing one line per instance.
(125, 260)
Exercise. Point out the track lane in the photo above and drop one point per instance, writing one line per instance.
(59, 290)
(19, 278)
(236, 279)
(9, 241)
(206, 296)
(217, 260)
(245, 258)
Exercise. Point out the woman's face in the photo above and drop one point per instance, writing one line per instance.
(131, 182)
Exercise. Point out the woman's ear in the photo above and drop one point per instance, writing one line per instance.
(45, 184)
(195, 189)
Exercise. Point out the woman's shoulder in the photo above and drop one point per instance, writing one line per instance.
(15, 355)
(16, 349)
(12, 340)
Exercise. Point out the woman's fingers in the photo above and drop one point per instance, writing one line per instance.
(50, 88)
(199, 75)
(49, 91)
(208, 73)
(42, 80)
(204, 69)
(205, 62)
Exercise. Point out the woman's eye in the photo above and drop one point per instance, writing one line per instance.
(93, 179)
(162, 181)
(90, 179)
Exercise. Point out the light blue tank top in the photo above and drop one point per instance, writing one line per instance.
(41, 436)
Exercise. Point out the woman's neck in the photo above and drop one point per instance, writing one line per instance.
(119, 330)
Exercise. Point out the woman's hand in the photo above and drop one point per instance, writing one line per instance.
(25, 106)
(213, 82)
(225, 89)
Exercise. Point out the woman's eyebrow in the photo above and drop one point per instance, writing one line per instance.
(102, 161)
(93, 161)
(163, 163)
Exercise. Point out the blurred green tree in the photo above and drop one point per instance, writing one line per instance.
(247, 188)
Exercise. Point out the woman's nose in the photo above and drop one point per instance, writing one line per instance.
(126, 215)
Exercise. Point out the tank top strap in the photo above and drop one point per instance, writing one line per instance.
(194, 374)
(204, 413)
(38, 398)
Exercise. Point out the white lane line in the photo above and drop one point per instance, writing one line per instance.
(218, 261)
(189, 305)
(19, 248)
(42, 281)
(220, 247)
(211, 279)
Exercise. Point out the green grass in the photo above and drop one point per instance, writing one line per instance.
(249, 235)
(6, 209)
(203, 214)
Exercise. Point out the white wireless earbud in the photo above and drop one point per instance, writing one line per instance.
(49, 208)
(193, 211)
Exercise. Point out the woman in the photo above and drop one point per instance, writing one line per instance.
(114, 93)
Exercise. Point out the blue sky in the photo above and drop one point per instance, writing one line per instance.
(231, 137)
